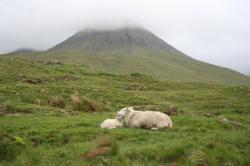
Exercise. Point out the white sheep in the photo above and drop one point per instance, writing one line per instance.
(144, 119)
(111, 124)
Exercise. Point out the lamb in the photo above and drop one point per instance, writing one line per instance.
(144, 119)
(111, 124)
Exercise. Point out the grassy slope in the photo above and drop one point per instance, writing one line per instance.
(160, 66)
(55, 136)
(127, 50)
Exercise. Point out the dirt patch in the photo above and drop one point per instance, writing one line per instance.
(103, 145)
(32, 81)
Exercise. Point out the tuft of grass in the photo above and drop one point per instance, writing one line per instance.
(76, 103)
(86, 104)
(28, 98)
(197, 157)
(92, 105)
(57, 102)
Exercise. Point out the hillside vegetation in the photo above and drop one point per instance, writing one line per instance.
(51, 115)
(126, 50)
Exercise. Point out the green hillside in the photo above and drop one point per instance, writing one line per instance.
(42, 124)
(127, 50)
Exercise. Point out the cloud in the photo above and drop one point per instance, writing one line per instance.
(215, 31)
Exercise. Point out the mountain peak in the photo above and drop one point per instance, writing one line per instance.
(107, 29)
(117, 40)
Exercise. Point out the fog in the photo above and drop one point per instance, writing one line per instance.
(214, 31)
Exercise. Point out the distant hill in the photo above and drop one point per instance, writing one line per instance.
(128, 50)
(23, 51)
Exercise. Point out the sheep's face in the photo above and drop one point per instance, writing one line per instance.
(121, 114)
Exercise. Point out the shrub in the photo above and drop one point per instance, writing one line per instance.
(57, 102)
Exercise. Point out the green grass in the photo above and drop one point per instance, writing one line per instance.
(62, 136)
(161, 66)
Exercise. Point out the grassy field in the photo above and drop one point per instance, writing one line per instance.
(161, 66)
(51, 115)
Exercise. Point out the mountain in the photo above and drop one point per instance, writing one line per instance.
(23, 52)
(126, 50)
(117, 41)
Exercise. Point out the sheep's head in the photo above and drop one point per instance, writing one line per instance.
(121, 114)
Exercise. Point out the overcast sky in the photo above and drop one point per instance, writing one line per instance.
(215, 31)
